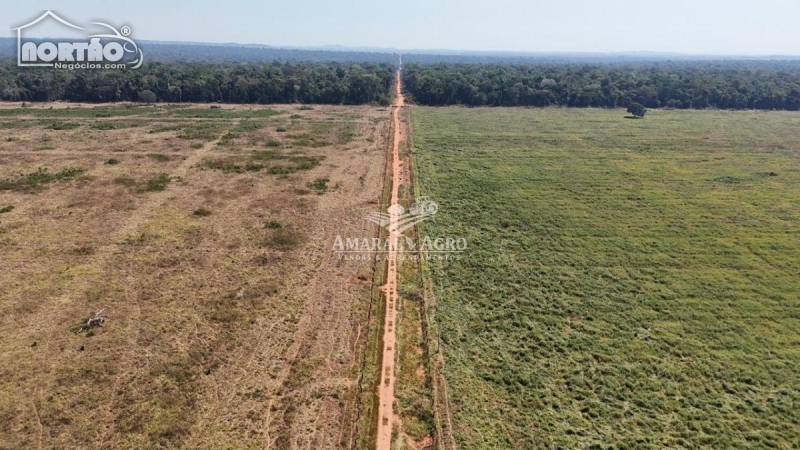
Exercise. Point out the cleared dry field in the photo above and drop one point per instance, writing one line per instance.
(205, 234)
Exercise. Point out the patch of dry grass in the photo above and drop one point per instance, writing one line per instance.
(210, 316)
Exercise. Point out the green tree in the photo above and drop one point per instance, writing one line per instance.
(147, 96)
(637, 110)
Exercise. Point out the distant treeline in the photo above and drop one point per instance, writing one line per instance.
(272, 82)
(765, 85)
(158, 51)
(155, 51)
(762, 85)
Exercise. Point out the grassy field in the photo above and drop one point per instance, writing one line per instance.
(628, 283)
(205, 234)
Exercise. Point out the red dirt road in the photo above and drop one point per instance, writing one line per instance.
(386, 416)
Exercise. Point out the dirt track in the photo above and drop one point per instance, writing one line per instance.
(386, 416)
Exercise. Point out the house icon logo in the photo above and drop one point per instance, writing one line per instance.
(114, 50)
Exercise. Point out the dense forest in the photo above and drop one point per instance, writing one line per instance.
(766, 85)
(762, 85)
(274, 82)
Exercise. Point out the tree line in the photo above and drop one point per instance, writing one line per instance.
(265, 82)
(765, 85)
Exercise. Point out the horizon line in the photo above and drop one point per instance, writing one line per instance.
(445, 51)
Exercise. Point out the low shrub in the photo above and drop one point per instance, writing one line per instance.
(157, 183)
(319, 185)
(283, 239)
(160, 157)
(35, 181)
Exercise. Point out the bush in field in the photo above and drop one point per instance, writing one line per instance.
(637, 110)
(320, 185)
(283, 239)
(158, 183)
(35, 181)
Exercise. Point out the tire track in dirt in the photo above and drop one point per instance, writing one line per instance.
(386, 416)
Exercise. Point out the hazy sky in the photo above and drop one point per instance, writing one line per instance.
(685, 26)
